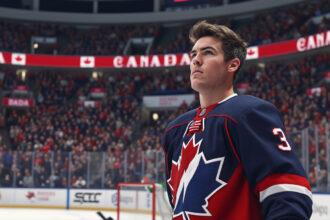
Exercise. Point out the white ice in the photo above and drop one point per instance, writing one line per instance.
(55, 214)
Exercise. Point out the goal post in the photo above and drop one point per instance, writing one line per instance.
(143, 198)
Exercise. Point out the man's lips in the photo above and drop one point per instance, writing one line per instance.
(196, 72)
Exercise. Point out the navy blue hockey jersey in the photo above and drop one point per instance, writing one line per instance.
(232, 161)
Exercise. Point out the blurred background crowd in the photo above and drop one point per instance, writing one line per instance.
(62, 142)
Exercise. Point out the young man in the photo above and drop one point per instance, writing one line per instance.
(230, 159)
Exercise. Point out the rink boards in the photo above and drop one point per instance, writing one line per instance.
(107, 200)
(74, 199)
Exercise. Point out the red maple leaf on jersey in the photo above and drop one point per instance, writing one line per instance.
(188, 152)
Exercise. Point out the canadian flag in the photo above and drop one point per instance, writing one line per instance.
(252, 53)
(87, 61)
(18, 59)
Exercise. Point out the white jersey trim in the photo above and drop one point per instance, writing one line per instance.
(284, 188)
(229, 97)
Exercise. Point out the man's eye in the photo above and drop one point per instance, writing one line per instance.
(208, 52)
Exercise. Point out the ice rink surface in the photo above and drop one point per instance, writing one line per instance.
(54, 214)
(58, 214)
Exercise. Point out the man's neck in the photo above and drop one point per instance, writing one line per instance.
(209, 98)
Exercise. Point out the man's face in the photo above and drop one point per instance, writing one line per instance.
(208, 69)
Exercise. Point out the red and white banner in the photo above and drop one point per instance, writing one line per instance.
(13, 102)
(295, 46)
(242, 87)
(316, 91)
(21, 89)
(167, 101)
(313, 41)
(302, 44)
(87, 61)
(18, 59)
(97, 92)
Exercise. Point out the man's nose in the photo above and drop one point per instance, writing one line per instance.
(197, 61)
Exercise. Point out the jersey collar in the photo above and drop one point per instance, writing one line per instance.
(202, 112)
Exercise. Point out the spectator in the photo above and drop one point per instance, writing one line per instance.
(27, 179)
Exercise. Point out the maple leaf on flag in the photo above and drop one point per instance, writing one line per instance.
(87, 61)
(18, 58)
(252, 53)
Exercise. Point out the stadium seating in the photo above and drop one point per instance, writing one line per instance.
(60, 139)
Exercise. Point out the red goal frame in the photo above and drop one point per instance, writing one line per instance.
(153, 205)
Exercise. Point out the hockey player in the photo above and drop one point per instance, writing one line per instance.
(230, 159)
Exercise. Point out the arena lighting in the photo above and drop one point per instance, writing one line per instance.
(35, 46)
(155, 116)
(261, 65)
(95, 75)
(21, 73)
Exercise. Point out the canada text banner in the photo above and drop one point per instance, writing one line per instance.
(165, 60)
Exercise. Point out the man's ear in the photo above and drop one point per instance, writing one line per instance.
(233, 65)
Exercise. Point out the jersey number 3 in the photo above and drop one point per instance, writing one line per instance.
(285, 146)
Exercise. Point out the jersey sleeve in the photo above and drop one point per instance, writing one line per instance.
(168, 151)
(270, 164)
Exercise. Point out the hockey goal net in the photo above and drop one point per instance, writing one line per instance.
(143, 198)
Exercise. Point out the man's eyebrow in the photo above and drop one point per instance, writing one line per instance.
(203, 48)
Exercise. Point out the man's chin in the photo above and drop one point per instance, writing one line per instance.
(197, 86)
